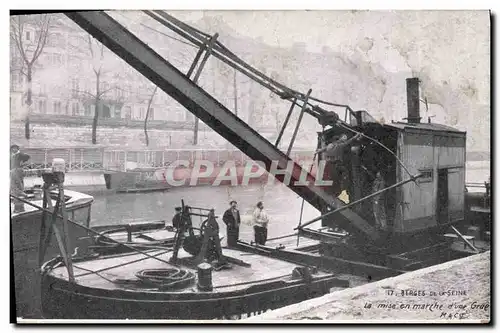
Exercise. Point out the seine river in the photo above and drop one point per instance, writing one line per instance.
(282, 204)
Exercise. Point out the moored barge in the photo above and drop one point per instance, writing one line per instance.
(196, 279)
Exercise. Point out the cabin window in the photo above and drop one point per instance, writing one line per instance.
(426, 176)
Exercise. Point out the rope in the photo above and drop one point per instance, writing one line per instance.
(167, 278)
(120, 265)
(92, 272)
(302, 206)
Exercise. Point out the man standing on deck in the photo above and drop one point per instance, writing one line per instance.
(260, 221)
(232, 220)
(176, 220)
(17, 159)
(335, 169)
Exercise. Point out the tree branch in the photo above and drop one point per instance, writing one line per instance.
(101, 93)
(90, 47)
(84, 92)
(42, 39)
(17, 37)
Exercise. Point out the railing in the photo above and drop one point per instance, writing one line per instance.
(98, 159)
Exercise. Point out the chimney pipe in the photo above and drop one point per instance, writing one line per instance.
(413, 100)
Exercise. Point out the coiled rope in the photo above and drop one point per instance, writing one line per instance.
(167, 278)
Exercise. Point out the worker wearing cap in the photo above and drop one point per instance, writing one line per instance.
(232, 220)
(334, 155)
(176, 220)
(17, 160)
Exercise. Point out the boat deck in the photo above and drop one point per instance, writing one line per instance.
(237, 277)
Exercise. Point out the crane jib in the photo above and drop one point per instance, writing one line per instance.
(173, 82)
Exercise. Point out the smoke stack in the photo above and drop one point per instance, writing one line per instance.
(413, 100)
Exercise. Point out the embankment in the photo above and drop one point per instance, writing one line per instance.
(454, 292)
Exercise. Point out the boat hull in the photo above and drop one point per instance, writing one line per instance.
(159, 179)
(25, 243)
(120, 304)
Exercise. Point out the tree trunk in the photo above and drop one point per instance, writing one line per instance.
(27, 131)
(195, 137)
(147, 116)
(94, 121)
(96, 112)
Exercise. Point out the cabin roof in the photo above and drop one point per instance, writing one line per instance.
(423, 126)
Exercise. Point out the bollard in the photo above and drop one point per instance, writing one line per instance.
(205, 277)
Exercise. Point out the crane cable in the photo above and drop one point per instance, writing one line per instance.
(380, 144)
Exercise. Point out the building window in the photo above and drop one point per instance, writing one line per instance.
(56, 107)
(75, 87)
(14, 81)
(75, 109)
(104, 86)
(118, 112)
(128, 112)
(57, 59)
(28, 35)
(42, 89)
(87, 110)
(151, 114)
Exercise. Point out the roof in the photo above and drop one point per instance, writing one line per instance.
(423, 126)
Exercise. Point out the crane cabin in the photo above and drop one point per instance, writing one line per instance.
(388, 154)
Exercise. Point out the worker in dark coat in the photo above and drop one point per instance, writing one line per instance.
(176, 220)
(334, 168)
(17, 160)
(232, 220)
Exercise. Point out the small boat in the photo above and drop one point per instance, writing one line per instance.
(149, 179)
(196, 279)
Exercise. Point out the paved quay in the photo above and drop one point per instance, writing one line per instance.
(454, 292)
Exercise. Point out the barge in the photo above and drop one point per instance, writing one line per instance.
(196, 279)
(149, 179)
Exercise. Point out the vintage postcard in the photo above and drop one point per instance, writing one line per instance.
(250, 166)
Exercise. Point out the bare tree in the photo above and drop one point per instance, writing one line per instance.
(97, 56)
(30, 46)
(147, 114)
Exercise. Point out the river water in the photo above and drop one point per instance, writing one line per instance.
(283, 205)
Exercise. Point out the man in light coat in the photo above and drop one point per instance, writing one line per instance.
(260, 221)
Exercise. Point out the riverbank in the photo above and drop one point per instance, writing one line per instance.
(454, 292)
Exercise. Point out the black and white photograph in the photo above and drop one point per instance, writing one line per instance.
(250, 166)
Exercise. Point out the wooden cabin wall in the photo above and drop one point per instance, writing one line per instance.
(417, 202)
(450, 155)
(428, 152)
